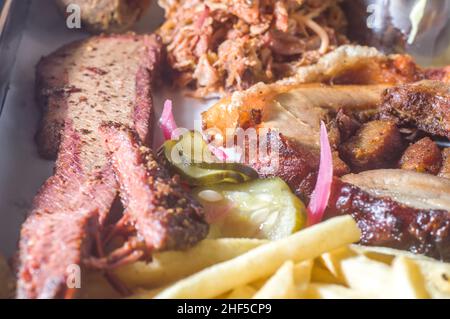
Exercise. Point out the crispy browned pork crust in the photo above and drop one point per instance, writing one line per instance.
(425, 104)
(383, 221)
(164, 214)
(78, 87)
(424, 156)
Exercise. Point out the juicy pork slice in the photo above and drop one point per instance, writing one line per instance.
(162, 211)
(79, 86)
(424, 156)
(383, 220)
(425, 104)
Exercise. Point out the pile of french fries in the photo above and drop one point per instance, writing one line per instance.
(317, 262)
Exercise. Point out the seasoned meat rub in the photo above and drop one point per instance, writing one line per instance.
(425, 104)
(102, 78)
(79, 86)
(423, 156)
(162, 211)
(377, 144)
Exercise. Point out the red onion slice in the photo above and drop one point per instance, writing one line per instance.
(167, 121)
(322, 190)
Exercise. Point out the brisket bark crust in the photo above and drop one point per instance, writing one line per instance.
(163, 213)
(103, 78)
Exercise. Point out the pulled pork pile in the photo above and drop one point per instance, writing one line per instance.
(215, 46)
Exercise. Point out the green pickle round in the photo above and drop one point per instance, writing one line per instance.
(264, 208)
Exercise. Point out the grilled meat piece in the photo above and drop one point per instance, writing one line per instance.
(297, 165)
(377, 144)
(424, 156)
(445, 168)
(425, 104)
(384, 222)
(162, 211)
(80, 86)
(102, 78)
(68, 210)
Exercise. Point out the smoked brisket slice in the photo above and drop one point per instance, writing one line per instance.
(102, 78)
(425, 104)
(79, 86)
(66, 213)
(163, 213)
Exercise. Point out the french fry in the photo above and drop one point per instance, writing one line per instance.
(167, 267)
(302, 272)
(436, 274)
(368, 276)
(243, 292)
(320, 274)
(281, 285)
(266, 259)
(408, 279)
(332, 291)
(437, 277)
(332, 261)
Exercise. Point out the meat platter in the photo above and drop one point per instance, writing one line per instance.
(166, 148)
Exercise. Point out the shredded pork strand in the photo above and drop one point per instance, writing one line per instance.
(215, 46)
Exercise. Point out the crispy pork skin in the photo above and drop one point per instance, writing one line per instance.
(162, 211)
(78, 87)
(424, 156)
(410, 188)
(377, 144)
(425, 104)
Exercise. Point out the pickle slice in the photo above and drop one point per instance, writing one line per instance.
(264, 208)
(191, 157)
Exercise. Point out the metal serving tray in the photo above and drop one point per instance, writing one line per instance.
(12, 17)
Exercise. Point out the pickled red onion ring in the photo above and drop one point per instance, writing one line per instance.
(322, 190)
(167, 121)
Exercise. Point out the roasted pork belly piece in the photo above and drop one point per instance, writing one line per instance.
(293, 110)
(377, 144)
(383, 221)
(163, 213)
(425, 104)
(445, 168)
(424, 156)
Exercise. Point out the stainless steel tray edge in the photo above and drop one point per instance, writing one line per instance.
(12, 21)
